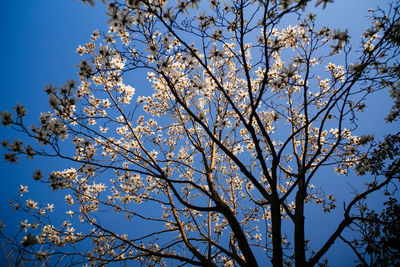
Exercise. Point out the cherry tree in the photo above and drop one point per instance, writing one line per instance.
(219, 162)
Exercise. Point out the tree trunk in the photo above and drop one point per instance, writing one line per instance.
(299, 239)
(277, 254)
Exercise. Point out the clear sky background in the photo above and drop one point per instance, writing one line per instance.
(38, 43)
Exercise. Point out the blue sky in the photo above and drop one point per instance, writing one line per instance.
(38, 43)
